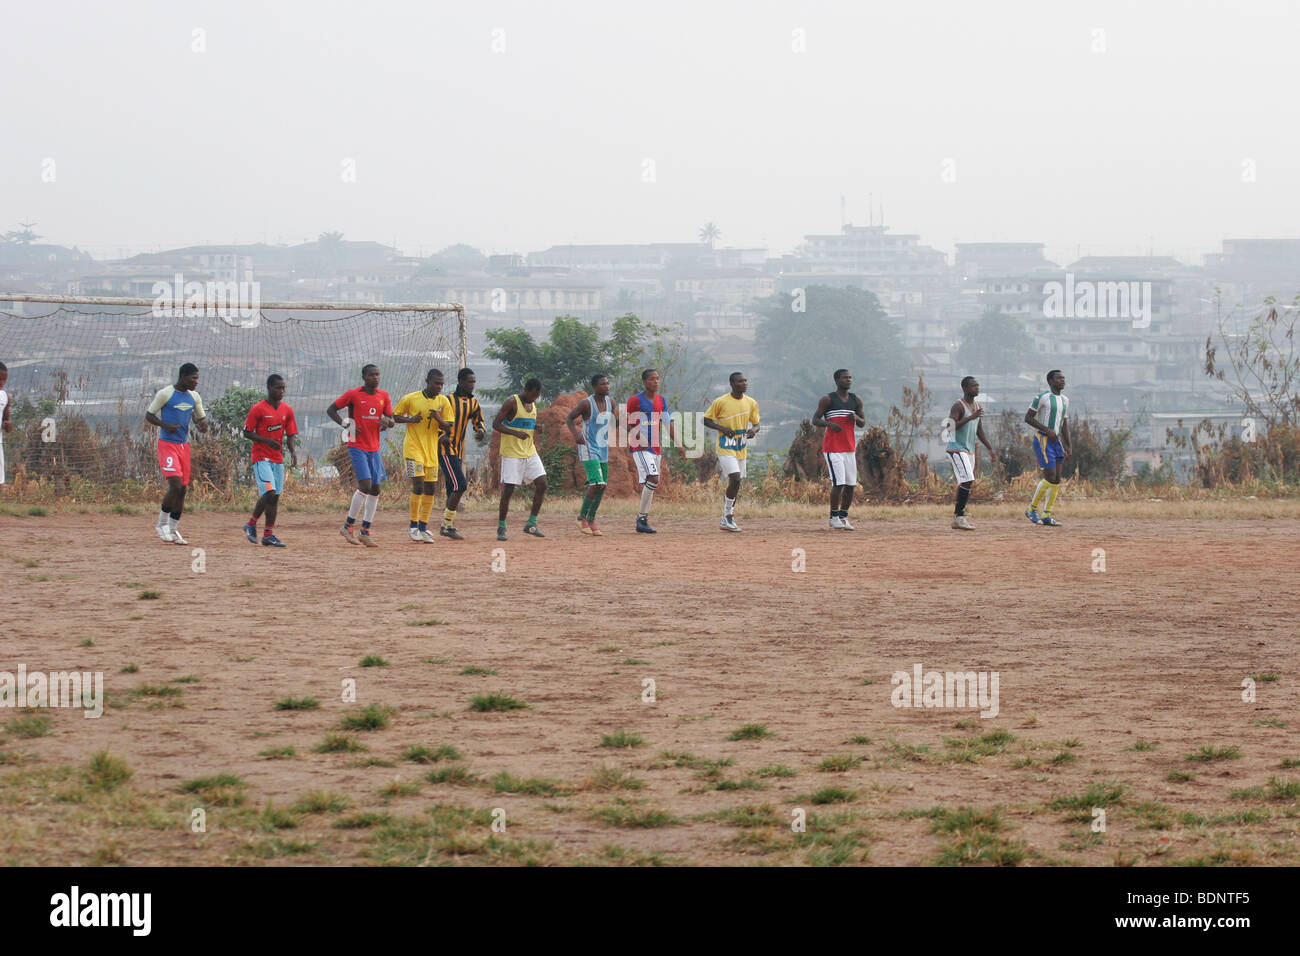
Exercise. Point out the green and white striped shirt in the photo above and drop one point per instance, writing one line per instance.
(1049, 409)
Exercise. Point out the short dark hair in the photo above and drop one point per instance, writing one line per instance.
(365, 368)
(731, 379)
(464, 374)
(968, 378)
(533, 385)
(3, 367)
(595, 379)
(189, 368)
(839, 372)
(1055, 371)
(273, 378)
(434, 373)
(646, 374)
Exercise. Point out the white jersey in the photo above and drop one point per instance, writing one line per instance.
(4, 405)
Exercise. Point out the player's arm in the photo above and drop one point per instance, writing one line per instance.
(156, 406)
(710, 423)
(960, 418)
(753, 421)
(819, 416)
(578, 411)
(200, 414)
(1031, 419)
(269, 442)
(504, 414)
(860, 416)
(291, 445)
(476, 418)
(979, 433)
(4, 419)
(1065, 438)
(332, 410)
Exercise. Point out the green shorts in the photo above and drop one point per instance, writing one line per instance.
(597, 472)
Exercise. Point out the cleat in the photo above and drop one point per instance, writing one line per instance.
(845, 526)
(594, 531)
(364, 538)
(728, 524)
(535, 531)
(643, 526)
(250, 532)
(349, 535)
(836, 523)
(176, 537)
(501, 534)
(1032, 515)
(583, 526)
(961, 524)
(414, 534)
(271, 541)
(427, 538)
(164, 532)
(449, 532)
(1049, 521)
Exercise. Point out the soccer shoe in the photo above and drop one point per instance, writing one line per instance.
(414, 534)
(176, 537)
(728, 523)
(535, 531)
(449, 532)
(643, 526)
(349, 535)
(250, 532)
(961, 524)
(845, 526)
(164, 532)
(836, 523)
(583, 526)
(1032, 515)
(427, 538)
(594, 531)
(1049, 521)
(271, 541)
(369, 542)
(501, 535)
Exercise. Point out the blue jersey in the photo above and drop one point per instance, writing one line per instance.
(597, 428)
(177, 408)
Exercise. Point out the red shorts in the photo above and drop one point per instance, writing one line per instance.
(174, 460)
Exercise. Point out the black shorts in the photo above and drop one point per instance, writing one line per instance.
(449, 465)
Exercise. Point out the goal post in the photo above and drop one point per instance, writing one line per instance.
(82, 370)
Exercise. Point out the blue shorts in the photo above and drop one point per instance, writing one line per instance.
(1048, 453)
(269, 476)
(367, 465)
(449, 465)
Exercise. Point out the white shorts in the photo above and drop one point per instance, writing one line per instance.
(520, 471)
(963, 466)
(731, 465)
(2, 463)
(842, 466)
(647, 465)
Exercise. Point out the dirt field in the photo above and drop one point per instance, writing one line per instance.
(1110, 684)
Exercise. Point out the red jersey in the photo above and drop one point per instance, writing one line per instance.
(274, 422)
(648, 422)
(365, 410)
(842, 412)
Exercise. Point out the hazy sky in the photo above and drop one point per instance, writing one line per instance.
(1046, 138)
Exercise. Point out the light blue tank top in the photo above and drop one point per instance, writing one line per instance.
(596, 430)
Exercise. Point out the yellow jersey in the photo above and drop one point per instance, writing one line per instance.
(737, 414)
(422, 437)
(525, 420)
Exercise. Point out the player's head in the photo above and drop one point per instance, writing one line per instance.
(274, 387)
(4, 374)
(970, 388)
(650, 379)
(1056, 380)
(532, 390)
(600, 384)
(738, 383)
(188, 377)
(433, 381)
(370, 375)
(466, 380)
(842, 378)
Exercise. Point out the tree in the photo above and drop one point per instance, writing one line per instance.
(24, 236)
(572, 353)
(995, 344)
(710, 233)
(839, 328)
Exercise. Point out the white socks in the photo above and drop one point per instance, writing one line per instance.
(647, 496)
(163, 519)
(358, 501)
(728, 506)
(372, 504)
(171, 522)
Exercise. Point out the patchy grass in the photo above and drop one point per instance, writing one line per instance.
(1143, 745)
(473, 671)
(130, 669)
(612, 778)
(368, 718)
(217, 790)
(621, 740)
(750, 732)
(418, 753)
(1209, 753)
(453, 775)
(148, 595)
(278, 753)
(322, 801)
(428, 622)
(506, 782)
(830, 795)
(399, 788)
(1081, 804)
(1180, 776)
(339, 743)
(373, 660)
(775, 770)
(1268, 677)
(489, 703)
(633, 816)
(106, 772)
(297, 703)
(839, 763)
(975, 837)
(30, 725)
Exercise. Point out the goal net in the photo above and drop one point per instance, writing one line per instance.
(82, 372)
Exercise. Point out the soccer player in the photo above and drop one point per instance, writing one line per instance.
(520, 463)
(5, 424)
(427, 415)
(735, 417)
(1046, 416)
(171, 411)
(965, 414)
(593, 447)
(838, 412)
(647, 412)
(370, 412)
(466, 409)
(272, 427)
